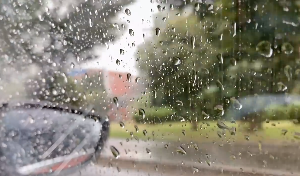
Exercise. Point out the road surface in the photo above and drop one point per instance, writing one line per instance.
(135, 159)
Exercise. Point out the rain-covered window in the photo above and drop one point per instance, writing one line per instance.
(149, 87)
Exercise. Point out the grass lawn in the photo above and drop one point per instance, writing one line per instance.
(174, 131)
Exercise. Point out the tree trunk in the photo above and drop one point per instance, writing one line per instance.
(194, 125)
(255, 123)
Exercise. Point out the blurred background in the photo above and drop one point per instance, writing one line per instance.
(211, 86)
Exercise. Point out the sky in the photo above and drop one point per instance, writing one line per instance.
(141, 22)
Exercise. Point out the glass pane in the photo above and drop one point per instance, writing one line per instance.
(204, 87)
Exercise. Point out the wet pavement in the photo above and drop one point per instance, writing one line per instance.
(265, 159)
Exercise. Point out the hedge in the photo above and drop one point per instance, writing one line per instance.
(156, 115)
(288, 112)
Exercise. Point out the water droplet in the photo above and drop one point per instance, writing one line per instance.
(128, 77)
(181, 150)
(136, 128)
(232, 130)
(222, 125)
(297, 72)
(54, 92)
(115, 152)
(159, 8)
(148, 151)
(118, 62)
(116, 101)
(247, 137)
(193, 41)
(179, 103)
(220, 85)
(220, 58)
(233, 61)
(157, 31)
(131, 32)
(142, 113)
(145, 132)
(183, 132)
(196, 147)
(288, 71)
(119, 169)
(171, 7)
(72, 65)
(137, 79)
(122, 125)
(281, 86)
(122, 52)
(219, 110)
(128, 12)
(264, 48)
(91, 22)
(287, 48)
(284, 131)
(205, 115)
(166, 146)
(177, 61)
(297, 135)
(195, 170)
(197, 7)
(220, 134)
(236, 104)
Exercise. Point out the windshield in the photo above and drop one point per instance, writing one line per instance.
(203, 87)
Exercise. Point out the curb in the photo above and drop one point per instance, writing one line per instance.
(189, 167)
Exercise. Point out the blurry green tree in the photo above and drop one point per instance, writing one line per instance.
(223, 50)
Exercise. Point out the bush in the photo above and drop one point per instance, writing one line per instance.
(278, 112)
(156, 115)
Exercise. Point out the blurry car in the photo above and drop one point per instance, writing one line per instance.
(42, 139)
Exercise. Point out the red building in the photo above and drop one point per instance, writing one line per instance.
(124, 86)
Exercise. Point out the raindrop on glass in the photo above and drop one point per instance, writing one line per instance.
(122, 125)
(222, 125)
(264, 48)
(72, 65)
(219, 110)
(128, 77)
(116, 101)
(148, 151)
(128, 12)
(193, 41)
(288, 71)
(142, 113)
(236, 104)
(115, 152)
(145, 132)
(122, 52)
(136, 128)
(177, 61)
(157, 31)
(118, 62)
(181, 150)
(131, 32)
(197, 7)
(287, 48)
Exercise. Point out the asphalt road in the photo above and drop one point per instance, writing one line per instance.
(135, 160)
(135, 168)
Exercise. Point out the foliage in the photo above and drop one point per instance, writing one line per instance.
(156, 115)
(289, 112)
(56, 87)
(221, 51)
(34, 33)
